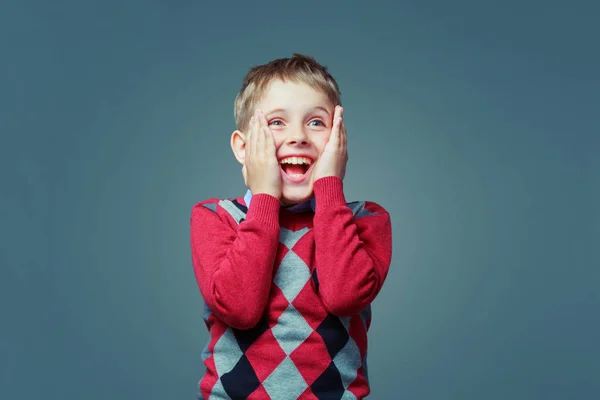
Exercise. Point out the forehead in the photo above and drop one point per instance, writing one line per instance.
(293, 95)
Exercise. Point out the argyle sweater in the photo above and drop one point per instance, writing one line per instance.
(288, 292)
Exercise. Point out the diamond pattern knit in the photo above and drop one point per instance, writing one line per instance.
(295, 341)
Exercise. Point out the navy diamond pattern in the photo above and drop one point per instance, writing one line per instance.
(246, 337)
(334, 334)
(241, 381)
(328, 385)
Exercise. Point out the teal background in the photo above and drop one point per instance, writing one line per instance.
(475, 123)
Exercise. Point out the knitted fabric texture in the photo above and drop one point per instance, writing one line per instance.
(288, 293)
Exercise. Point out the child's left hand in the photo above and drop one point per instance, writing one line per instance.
(334, 158)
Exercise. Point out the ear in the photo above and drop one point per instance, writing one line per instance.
(238, 145)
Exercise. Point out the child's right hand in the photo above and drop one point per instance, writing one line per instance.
(261, 168)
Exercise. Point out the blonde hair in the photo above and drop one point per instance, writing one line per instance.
(298, 68)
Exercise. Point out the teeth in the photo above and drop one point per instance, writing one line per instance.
(296, 160)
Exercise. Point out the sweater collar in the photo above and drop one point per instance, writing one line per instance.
(304, 206)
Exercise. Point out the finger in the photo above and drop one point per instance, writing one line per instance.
(249, 137)
(270, 149)
(255, 135)
(333, 125)
(260, 135)
(336, 114)
(345, 148)
(334, 138)
(269, 139)
(345, 145)
(343, 137)
(342, 129)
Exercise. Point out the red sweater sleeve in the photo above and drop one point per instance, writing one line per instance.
(234, 264)
(353, 255)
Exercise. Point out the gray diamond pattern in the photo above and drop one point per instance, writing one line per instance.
(285, 383)
(227, 352)
(291, 275)
(291, 330)
(348, 361)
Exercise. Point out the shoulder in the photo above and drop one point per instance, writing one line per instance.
(364, 208)
(219, 207)
(209, 204)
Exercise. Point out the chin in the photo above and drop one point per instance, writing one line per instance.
(296, 194)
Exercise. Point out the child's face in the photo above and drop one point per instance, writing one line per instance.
(300, 118)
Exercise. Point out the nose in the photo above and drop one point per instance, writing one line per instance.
(296, 136)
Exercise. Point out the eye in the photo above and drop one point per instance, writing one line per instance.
(318, 121)
(276, 122)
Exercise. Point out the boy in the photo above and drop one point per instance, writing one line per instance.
(288, 272)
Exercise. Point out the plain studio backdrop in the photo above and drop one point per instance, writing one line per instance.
(475, 123)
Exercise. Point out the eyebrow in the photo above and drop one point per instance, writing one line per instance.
(284, 110)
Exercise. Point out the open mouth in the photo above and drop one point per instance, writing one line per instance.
(296, 168)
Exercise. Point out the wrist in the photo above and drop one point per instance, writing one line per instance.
(264, 208)
(270, 192)
(327, 174)
(329, 191)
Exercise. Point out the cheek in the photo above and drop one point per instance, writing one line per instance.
(320, 143)
(278, 138)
